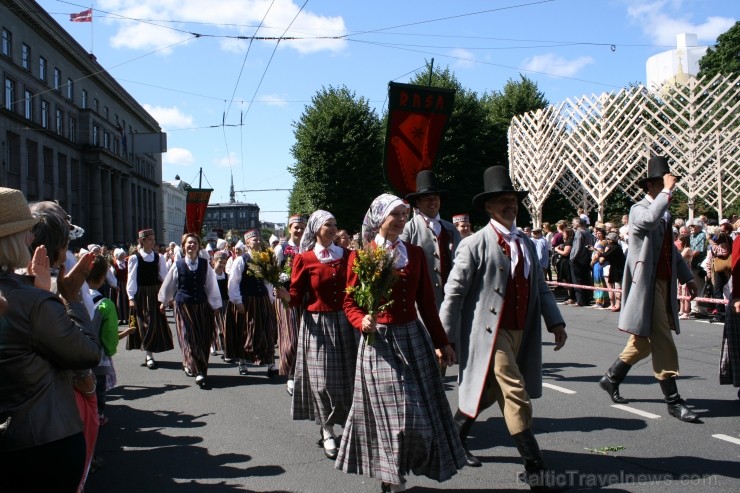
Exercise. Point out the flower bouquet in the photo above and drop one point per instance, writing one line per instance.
(287, 270)
(376, 273)
(264, 266)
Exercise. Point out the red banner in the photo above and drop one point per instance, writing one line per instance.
(195, 209)
(84, 16)
(417, 119)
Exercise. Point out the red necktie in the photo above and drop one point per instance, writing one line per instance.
(325, 253)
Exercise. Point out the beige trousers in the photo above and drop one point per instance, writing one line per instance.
(660, 340)
(505, 384)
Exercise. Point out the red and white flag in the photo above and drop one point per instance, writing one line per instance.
(84, 16)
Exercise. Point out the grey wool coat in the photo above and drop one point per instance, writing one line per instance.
(418, 233)
(470, 314)
(647, 226)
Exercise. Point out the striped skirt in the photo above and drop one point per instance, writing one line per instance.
(253, 334)
(219, 326)
(288, 321)
(729, 362)
(153, 332)
(400, 419)
(325, 368)
(194, 333)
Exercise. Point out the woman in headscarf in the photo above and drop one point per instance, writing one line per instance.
(120, 270)
(42, 338)
(251, 326)
(327, 344)
(191, 283)
(400, 419)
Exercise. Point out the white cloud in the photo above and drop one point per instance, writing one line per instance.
(169, 117)
(232, 160)
(463, 58)
(177, 156)
(273, 100)
(222, 18)
(553, 64)
(662, 20)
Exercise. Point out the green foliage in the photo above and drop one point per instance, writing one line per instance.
(338, 150)
(724, 58)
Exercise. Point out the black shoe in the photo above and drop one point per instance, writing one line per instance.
(463, 423)
(536, 475)
(385, 487)
(470, 459)
(612, 378)
(330, 452)
(676, 407)
(272, 370)
(151, 364)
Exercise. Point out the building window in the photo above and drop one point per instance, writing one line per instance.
(44, 114)
(32, 159)
(62, 170)
(70, 89)
(60, 122)
(106, 140)
(72, 129)
(96, 132)
(28, 105)
(48, 165)
(9, 94)
(26, 56)
(42, 68)
(7, 42)
(107, 113)
(84, 99)
(96, 105)
(57, 80)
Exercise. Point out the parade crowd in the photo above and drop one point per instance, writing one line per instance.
(364, 360)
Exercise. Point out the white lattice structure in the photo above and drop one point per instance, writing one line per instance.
(588, 147)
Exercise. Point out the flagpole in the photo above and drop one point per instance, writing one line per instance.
(92, 28)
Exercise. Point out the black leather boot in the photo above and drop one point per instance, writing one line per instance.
(612, 378)
(675, 403)
(536, 474)
(464, 423)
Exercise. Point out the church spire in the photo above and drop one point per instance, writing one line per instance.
(232, 194)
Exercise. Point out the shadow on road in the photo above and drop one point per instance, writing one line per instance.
(140, 456)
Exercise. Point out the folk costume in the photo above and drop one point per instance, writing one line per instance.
(327, 343)
(120, 271)
(436, 237)
(191, 283)
(250, 335)
(400, 420)
(146, 271)
(729, 366)
(495, 299)
(219, 326)
(649, 302)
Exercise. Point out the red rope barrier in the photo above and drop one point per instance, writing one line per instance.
(614, 290)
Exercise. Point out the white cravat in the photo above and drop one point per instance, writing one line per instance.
(400, 252)
(432, 222)
(328, 254)
(512, 238)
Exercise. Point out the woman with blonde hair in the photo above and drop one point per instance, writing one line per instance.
(42, 337)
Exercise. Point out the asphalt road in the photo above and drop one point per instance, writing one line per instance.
(167, 435)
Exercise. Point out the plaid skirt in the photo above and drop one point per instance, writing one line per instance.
(219, 326)
(194, 333)
(253, 334)
(288, 321)
(153, 332)
(729, 361)
(400, 419)
(325, 368)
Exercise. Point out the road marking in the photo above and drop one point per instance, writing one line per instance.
(636, 411)
(727, 438)
(559, 389)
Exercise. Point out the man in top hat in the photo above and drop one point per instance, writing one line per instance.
(462, 224)
(437, 237)
(495, 298)
(649, 301)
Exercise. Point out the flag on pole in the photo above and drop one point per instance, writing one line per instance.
(84, 16)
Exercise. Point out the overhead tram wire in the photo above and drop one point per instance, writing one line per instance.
(487, 63)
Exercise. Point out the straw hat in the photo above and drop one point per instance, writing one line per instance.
(15, 216)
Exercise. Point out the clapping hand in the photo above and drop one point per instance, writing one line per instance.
(70, 283)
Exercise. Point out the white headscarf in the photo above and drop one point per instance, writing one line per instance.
(315, 221)
(379, 209)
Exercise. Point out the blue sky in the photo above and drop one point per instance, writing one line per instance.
(188, 82)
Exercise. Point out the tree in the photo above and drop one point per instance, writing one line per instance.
(725, 57)
(337, 149)
(466, 149)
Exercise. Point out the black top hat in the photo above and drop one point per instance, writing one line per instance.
(657, 167)
(426, 184)
(496, 180)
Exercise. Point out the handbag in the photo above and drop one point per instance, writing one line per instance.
(722, 265)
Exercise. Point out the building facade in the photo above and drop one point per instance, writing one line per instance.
(174, 195)
(239, 216)
(69, 131)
